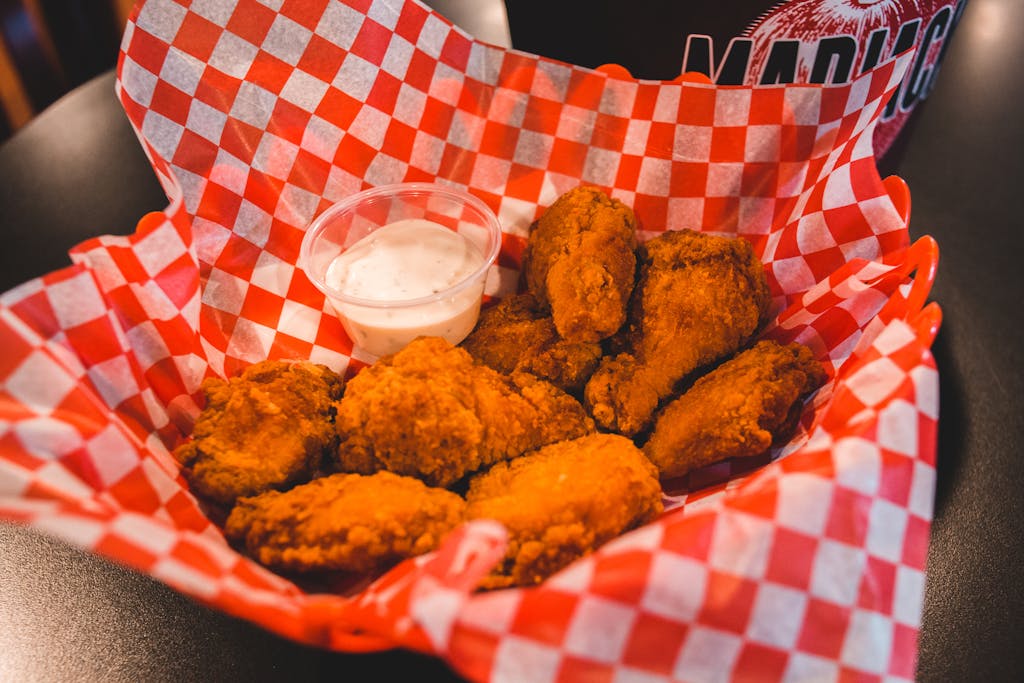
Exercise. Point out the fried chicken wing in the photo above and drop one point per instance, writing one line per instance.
(698, 299)
(516, 335)
(432, 412)
(563, 501)
(738, 409)
(265, 429)
(580, 262)
(345, 522)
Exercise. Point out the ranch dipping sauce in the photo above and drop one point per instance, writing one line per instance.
(402, 271)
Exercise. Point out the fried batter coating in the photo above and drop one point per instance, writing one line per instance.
(738, 409)
(580, 262)
(563, 501)
(432, 412)
(266, 429)
(698, 299)
(345, 522)
(516, 335)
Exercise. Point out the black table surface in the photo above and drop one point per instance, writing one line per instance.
(68, 615)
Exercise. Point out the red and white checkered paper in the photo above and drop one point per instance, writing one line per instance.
(258, 114)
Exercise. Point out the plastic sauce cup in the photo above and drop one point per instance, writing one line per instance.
(400, 261)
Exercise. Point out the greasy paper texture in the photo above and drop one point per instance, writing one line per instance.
(259, 114)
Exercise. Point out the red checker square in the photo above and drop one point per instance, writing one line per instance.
(437, 118)
(849, 222)
(568, 157)
(728, 143)
(338, 108)
(759, 664)
(95, 341)
(182, 509)
(524, 182)
(287, 346)
(147, 50)
(285, 241)
(478, 650)
(824, 628)
(372, 41)
(417, 175)
(302, 290)
(304, 12)
(609, 131)
(411, 20)
(792, 559)
(689, 536)
(269, 72)
(629, 171)
(384, 92)
(321, 58)
(645, 101)
(720, 212)
(661, 139)
(309, 172)
(585, 89)
(135, 493)
(251, 21)
(825, 262)
(170, 102)
(903, 660)
(421, 70)
(332, 335)
(354, 155)
(688, 179)
(544, 615)
(542, 115)
(163, 378)
(697, 106)
(915, 542)
(288, 121)
(651, 211)
(240, 139)
(124, 550)
(512, 249)
(456, 165)
(80, 463)
(728, 602)
(81, 410)
(621, 576)
(197, 36)
(34, 309)
(499, 140)
(796, 143)
(856, 676)
(833, 104)
(217, 89)
(759, 180)
(577, 669)
(654, 643)
(262, 307)
(195, 153)
(218, 204)
(196, 558)
(178, 280)
(897, 478)
(399, 140)
(12, 448)
(767, 106)
(877, 585)
(455, 51)
(848, 517)
(238, 257)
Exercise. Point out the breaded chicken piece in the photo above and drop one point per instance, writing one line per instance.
(432, 412)
(563, 501)
(516, 335)
(698, 299)
(580, 262)
(738, 409)
(266, 429)
(344, 522)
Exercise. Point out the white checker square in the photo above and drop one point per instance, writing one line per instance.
(39, 383)
(275, 156)
(908, 598)
(647, 537)
(836, 572)
(14, 480)
(551, 81)
(254, 105)
(161, 18)
(533, 149)
(334, 360)
(692, 143)
(76, 300)
(230, 172)
(138, 81)
(182, 70)
(398, 56)
(385, 169)
(58, 477)
(857, 96)
(185, 579)
(224, 291)
(575, 578)
(304, 90)
(922, 490)
(803, 106)
(865, 248)
(898, 428)
(287, 40)
(804, 668)
(114, 380)
(517, 660)
(45, 437)
(756, 215)
(321, 137)
(724, 180)
(741, 544)
(926, 390)
(618, 96)
(296, 206)
(216, 11)
(233, 55)
(427, 152)
(732, 107)
(887, 526)
(158, 539)
(707, 656)
(191, 186)
(272, 4)
(868, 643)
(490, 173)
(601, 166)
(250, 341)
(147, 344)
(112, 455)
(162, 133)
(875, 381)
(575, 124)
(655, 177)
(599, 629)
(507, 107)
(763, 143)
(82, 532)
(685, 213)
(159, 249)
(803, 502)
(340, 24)
(370, 126)
(491, 612)
(272, 274)
(410, 105)
(675, 587)
(637, 132)
(777, 616)
(666, 105)
(253, 223)
(838, 189)
(299, 321)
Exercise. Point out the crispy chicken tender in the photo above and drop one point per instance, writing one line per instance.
(516, 335)
(345, 522)
(738, 409)
(698, 299)
(432, 412)
(266, 429)
(580, 262)
(562, 502)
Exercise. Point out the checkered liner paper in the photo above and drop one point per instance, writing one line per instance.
(259, 114)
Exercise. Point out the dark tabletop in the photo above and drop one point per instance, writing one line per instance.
(67, 615)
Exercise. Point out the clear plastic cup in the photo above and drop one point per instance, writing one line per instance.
(422, 275)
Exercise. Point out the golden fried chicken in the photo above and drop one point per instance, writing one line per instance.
(563, 501)
(580, 262)
(738, 409)
(516, 335)
(432, 412)
(266, 429)
(698, 299)
(344, 522)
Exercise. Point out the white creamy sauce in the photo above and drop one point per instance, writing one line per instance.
(405, 260)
